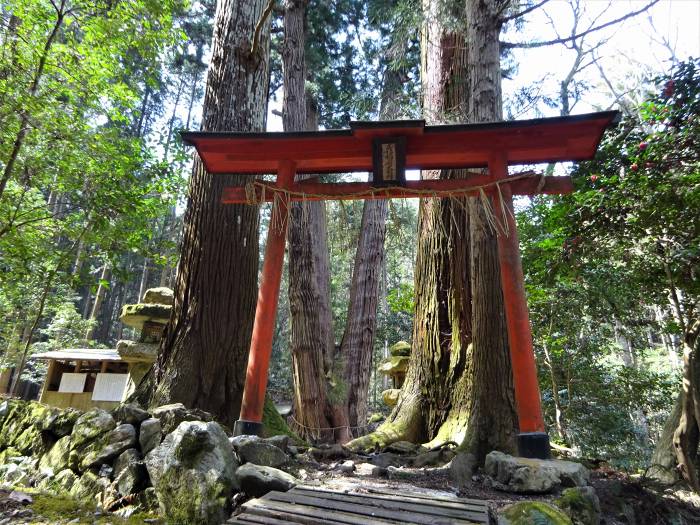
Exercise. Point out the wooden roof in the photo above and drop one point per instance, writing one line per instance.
(81, 354)
(427, 147)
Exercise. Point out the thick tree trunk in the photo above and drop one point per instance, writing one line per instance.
(309, 278)
(203, 356)
(358, 340)
(459, 383)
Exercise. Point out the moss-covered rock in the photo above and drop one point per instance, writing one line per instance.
(394, 365)
(57, 458)
(581, 504)
(9, 453)
(135, 315)
(137, 351)
(24, 427)
(108, 446)
(402, 348)
(160, 295)
(391, 396)
(192, 471)
(532, 512)
(91, 425)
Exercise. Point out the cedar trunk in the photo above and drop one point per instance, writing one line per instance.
(309, 279)
(204, 352)
(459, 384)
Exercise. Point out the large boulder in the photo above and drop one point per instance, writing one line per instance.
(192, 471)
(257, 480)
(532, 512)
(104, 450)
(533, 476)
(150, 435)
(252, 449)
(462, 468)
(581, 504)
(57, 458)
(160, 295)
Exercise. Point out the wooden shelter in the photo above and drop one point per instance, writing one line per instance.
(387, 149)
(86, 378)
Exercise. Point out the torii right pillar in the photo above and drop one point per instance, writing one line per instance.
(533, 441)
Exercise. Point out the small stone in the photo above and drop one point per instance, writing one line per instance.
(281, 442)
(149, 435)
(252, 449)
(581, 504)
(364, 469)
(385, 459)
(129, 413)
(161, 295)
(347, 467)
(531, 512)
(462, 469)
(105, 471)
(256, 481)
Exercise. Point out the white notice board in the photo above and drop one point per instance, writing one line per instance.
(72, 383)
(109, 387)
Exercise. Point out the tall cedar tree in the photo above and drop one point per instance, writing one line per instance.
(204, 352)
(309, 273)
(459, 383)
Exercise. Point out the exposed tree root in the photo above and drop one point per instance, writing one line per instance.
(404, 424)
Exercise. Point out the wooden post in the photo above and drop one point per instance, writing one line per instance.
(250, 420)
(533, 441)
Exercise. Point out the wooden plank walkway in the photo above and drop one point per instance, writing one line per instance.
(315, 506)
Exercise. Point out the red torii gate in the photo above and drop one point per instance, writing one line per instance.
(387, 149)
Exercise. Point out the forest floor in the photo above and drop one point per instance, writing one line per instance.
(624, 500)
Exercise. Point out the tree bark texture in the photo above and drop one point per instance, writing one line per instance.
(687, 434)
(309, 278)
(459, 382)
(203, 356)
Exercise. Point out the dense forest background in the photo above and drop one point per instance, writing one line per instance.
(93, 183)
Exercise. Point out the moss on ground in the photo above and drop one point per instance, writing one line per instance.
(55, 509)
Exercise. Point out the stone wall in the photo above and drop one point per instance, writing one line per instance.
(170, 460)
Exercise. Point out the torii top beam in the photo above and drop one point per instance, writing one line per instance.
(427, 147)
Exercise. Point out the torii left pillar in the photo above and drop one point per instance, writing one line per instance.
(250, 420)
